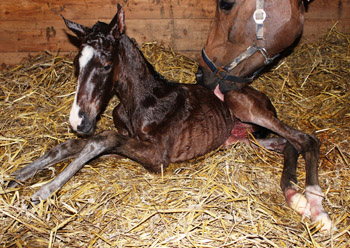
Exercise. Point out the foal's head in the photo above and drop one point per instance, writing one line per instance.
(94, 68)
(234, 30)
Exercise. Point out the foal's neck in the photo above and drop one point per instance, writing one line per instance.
(133, 68)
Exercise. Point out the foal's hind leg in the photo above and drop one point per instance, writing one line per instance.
(249, 105)
(61, 152)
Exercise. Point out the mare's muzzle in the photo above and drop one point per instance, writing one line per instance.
(200, 75)
(206, 79)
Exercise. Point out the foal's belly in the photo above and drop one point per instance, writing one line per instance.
(208, 126)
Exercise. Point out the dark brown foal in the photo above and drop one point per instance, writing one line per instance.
(158, 122)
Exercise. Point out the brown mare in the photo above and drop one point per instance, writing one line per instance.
(245, 37)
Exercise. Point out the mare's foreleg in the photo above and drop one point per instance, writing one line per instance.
(61, 152)
(108, 142)
(251, 106)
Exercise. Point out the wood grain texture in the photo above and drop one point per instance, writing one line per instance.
(31, 26)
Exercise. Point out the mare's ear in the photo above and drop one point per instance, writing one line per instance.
(117, 25)
(80, 30)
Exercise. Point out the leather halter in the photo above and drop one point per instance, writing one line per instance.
(229, 82)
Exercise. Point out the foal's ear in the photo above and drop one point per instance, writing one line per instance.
(117, 25)
(80, 30)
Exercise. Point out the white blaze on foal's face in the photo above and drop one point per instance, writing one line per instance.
(86, 55)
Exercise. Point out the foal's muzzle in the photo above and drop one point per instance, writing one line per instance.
(86, 127)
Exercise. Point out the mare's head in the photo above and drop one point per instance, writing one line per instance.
(235, 29)
(94, 69)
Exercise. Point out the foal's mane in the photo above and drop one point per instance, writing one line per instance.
(149, 65)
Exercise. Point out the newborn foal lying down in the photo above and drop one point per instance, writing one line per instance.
(158, 122)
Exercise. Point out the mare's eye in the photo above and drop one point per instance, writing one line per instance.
(226, 5)
(107, 67)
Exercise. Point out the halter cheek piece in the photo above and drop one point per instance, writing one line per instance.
(229, 82)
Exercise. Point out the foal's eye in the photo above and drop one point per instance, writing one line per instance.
(226, 5)
(107, 67)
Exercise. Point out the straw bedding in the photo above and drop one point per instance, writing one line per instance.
(229, 198)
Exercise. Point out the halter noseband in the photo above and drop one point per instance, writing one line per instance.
(229, 82)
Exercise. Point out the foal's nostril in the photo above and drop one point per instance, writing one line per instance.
(82, 124)
(199, 75)
(86, 126)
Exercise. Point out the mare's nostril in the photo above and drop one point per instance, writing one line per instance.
(199, 75)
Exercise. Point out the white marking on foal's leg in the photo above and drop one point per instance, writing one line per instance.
(314, 196)
(297, 202)
(86, 55)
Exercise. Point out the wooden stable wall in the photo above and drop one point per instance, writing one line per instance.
(29, 26)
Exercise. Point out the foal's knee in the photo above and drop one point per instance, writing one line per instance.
(106, 141)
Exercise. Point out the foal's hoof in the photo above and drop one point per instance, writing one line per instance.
(12, 184)
(42, 194)
(324, 223)
(297, 202)
(35, 202)
(318, 216)
(314, 196)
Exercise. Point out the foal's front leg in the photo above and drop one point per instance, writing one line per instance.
(88, 151)
(107, 142)
(61, 152)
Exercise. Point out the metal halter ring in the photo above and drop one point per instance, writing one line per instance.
(259, 16)
(221, 73)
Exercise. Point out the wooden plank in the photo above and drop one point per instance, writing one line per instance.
(182, 34)
(31, 26)
(142, 9)
(329, 9)
(87, 10)
(190, 37)
(52, 35)
(190, 34)
(316, 27)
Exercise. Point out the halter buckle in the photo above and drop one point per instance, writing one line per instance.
(221, 73)
(259, 16)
